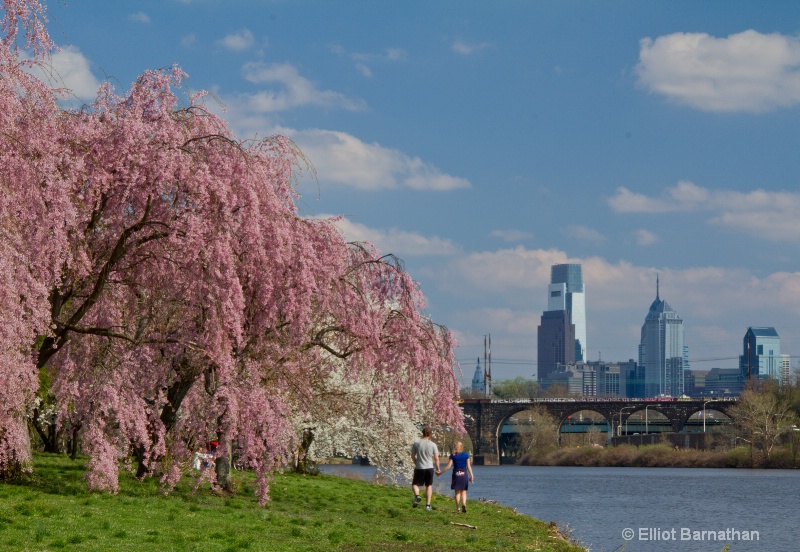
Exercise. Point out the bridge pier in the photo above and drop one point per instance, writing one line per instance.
(486, 460)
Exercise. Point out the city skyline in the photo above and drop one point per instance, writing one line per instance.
(484, 144)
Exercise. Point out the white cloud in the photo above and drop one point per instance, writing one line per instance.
(338, 158)
(626, 201)
(189, 40)
(506, 324)
(684, 196)
(69, 68)
(645, 237)
(342, 158)
(504, 271)
(748, 71)
(584, 233)
(364, 69)
(139, 17)
(364, 60)
(512, 235)
(239, 41)
(771, 215)
(397, 241)
(466, 49)
(295, 90)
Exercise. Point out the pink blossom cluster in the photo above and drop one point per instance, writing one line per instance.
(155, 268)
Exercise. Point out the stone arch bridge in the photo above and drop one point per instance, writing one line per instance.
(484, 418)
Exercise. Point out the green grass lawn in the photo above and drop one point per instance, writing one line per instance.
(52, 510)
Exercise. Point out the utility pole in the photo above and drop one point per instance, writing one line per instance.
(487, 363)
(748, 359)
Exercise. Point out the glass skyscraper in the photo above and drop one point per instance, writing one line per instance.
(661, 352)
(761, 356)
(567, 293)
(562, 332)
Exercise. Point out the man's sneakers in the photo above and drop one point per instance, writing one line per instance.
(417, 500)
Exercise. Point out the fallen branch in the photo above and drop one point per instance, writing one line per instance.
(463, 525)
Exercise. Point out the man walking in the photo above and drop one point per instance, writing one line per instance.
(425, 455)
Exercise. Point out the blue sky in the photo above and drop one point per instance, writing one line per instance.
(483, 142)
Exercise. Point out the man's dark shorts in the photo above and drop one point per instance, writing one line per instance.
(423, 477)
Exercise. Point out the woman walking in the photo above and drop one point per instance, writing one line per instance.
(462, 475)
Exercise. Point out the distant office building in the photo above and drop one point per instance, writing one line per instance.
(595, 378)
(556, 336)
(566, 292)
(579, 379)
(609, 380)
(786, 369)
(615, 379)
(478, 380)
(661, 351)
(761, 357)
(694, 383)
(723, 382)
(628, 372)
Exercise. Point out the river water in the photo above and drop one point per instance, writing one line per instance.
(656, 509)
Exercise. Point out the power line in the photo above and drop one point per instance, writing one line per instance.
(693, 360)
(502, 361)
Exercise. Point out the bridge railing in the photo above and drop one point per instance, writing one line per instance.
(609, 400)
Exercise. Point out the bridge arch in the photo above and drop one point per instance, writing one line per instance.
(705, 412)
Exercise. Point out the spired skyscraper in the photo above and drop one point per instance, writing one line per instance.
(661, 352)
(561, 336)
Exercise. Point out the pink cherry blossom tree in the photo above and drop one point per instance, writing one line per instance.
(155, 269)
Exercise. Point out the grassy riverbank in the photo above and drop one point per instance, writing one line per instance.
(52, 510)
(661, 456)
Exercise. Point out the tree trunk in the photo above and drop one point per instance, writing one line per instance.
(74, 442)
(47, 433)
(169, 415)
(304, 463)
(223, 468)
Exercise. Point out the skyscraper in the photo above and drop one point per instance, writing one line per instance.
(562, 332)
(554, 344)
(661, 351)
(761, 356)
(566, 292)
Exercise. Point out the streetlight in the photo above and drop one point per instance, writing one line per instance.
(704, 413)
(619, 428)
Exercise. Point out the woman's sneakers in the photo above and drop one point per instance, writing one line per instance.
(417, 499)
